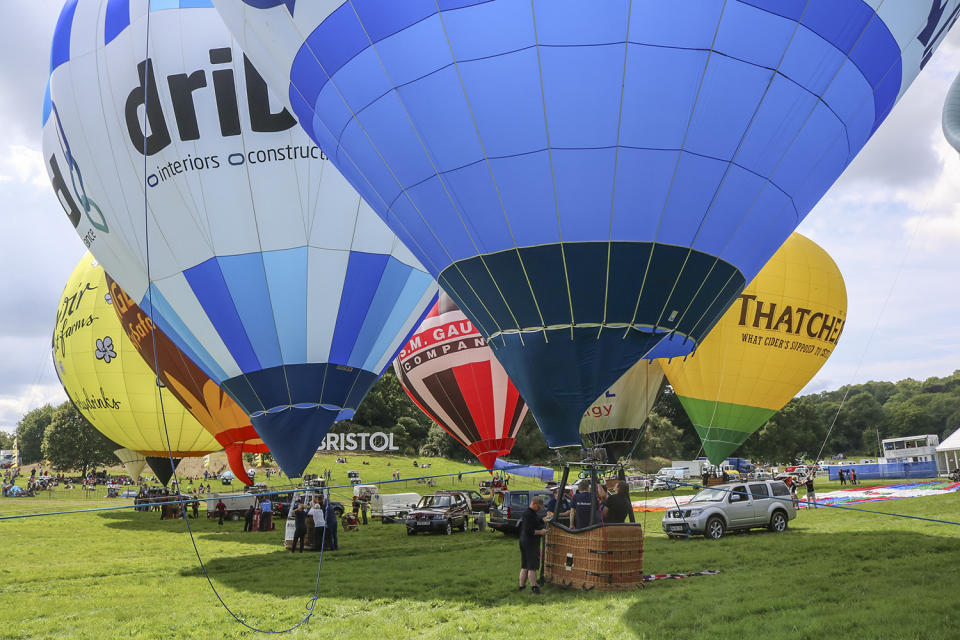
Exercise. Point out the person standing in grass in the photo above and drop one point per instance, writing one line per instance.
(300, 528)
(266, 514)
(843, 477)
(330, 516)
(248, 519)
(531, 526)
(811, 494)
(853, 476)
(316, 512)
(221, 510)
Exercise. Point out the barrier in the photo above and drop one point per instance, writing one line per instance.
(890, 470)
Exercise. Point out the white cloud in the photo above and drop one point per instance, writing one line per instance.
(23, 165)
(13, 407)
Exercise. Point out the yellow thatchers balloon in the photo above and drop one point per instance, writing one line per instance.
(107, 379)
(765, 349)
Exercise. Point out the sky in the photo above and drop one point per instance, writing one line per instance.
(891, 223)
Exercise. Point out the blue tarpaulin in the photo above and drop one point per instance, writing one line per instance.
(542, 473)
(890, 470)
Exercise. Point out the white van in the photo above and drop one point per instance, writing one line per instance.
(392, 504)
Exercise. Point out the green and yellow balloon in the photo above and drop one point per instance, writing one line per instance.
(765, 349)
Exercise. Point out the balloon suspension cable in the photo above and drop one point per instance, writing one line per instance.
(876, 324)
(311, 603)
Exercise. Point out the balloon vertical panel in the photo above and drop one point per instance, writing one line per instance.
(205, 401)
(592, 183)
(266, 269)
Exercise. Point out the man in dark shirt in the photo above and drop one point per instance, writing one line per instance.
(811, 494)
(300, 528)
(531, 527)
(581, 505)
(618, 505)
(330, 515)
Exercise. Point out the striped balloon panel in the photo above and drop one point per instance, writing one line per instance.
(264, 262)
(449, 372)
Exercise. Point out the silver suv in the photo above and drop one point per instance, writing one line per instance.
(738, 505)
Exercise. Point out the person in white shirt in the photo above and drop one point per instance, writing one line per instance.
(319, 523)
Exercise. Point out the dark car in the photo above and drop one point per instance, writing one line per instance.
(476, 501)
(508, 508)
(479, 502)
(439, 512)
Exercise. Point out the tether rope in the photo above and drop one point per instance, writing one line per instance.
(311, 603)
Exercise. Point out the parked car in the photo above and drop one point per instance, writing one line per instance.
(479, 502)
(721, 508)
(476, 501)
(508, 508)
(442, 512)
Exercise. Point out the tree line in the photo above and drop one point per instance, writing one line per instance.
(870, 412)
(64, 438)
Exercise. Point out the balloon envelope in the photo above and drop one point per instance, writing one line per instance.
(765, 349)
(205, 401)
(591, 182)
(132, 461)
(107, 379)
(448, 370)
(265, 267)
(617, 418)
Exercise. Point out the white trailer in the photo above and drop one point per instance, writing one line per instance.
(392, 504)
(694, 468)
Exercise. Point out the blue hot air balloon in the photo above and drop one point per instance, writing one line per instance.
(199, 194)
(591, 182)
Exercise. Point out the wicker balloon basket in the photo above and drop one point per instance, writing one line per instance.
(608, 557)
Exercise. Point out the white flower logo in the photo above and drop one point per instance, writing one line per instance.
(108, 298)
(105, 350)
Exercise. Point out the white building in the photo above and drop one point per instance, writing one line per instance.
(948, 454)
(910, 449)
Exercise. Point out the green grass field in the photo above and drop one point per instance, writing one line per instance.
(834, 573)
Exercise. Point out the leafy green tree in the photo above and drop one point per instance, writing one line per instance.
(386, 403)
(441, 443)
(795, 429)
(30, 431)
(416, 430)
(665, 439)
(7, 440)
(531, 447)
(71, 442)
(668, 406)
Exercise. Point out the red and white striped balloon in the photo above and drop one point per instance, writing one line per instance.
(448, 370)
